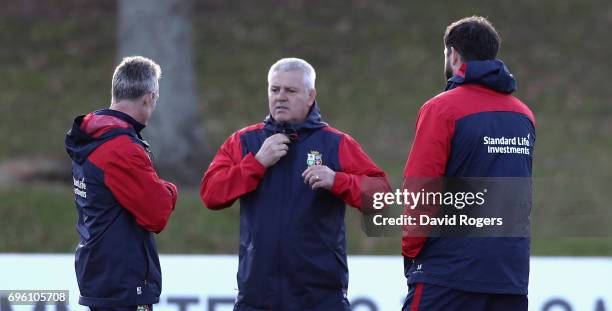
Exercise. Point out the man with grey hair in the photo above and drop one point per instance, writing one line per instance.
(293, 174)
(120, 199)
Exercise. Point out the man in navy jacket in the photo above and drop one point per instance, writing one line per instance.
(293, 174)
(119, 198)
(470, 273)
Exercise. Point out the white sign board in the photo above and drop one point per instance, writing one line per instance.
(208, 283)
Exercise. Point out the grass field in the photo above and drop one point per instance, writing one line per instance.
(43, 220)
(376, 64)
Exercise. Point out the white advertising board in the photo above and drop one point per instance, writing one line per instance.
(208, 283)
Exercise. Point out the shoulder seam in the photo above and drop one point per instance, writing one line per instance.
(334, 130)
(111, 153)
(250, 128)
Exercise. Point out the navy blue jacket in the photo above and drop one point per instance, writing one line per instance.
(292, 238)
(120, 202)
(449, 142)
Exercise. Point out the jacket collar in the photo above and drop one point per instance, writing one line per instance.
(313, 121)
(123, 116)
(492, 74)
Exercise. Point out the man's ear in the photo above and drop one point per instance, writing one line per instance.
(312, 94)
(147, 98)
(456, 60)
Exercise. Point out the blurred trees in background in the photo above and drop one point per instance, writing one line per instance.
(162, 30)
(377, 62)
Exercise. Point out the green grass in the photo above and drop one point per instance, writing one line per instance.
(37, 220)
(53, 70)
(42, 219)
(377, 63)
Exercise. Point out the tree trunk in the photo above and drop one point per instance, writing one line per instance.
(162, 31)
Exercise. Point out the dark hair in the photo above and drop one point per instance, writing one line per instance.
(474, 38)
(134, 77)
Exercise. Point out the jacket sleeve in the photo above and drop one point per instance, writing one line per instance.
(432, 143)
(359, 177)
(131, 178)
(230, 175)
(427, 160)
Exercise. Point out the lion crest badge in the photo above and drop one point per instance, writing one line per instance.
(314, 158)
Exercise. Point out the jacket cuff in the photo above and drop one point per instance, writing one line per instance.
(173, 192)
(253, 166)
(340, 180)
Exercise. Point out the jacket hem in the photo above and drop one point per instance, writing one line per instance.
(109, 302)
(471, 286)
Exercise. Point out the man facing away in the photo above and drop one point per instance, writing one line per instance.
(119, 198)
(469, 273)
(293, 174)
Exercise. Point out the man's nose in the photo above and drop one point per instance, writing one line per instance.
(282, 95)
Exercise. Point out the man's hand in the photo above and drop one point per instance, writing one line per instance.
(319, 176)
(273, 148)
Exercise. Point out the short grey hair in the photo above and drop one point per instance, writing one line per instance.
(134, 77)
(291, 64)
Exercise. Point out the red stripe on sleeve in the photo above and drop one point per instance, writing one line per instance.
(130, 176)
(229, 175)
(358, 175)
(428, 157)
